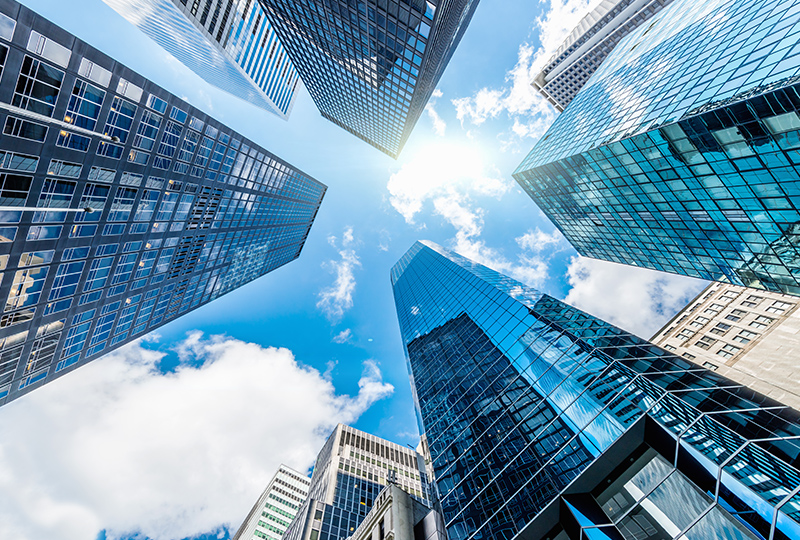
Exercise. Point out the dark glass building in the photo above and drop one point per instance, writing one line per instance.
(544, 422)
(371, 66)
(185, 209)
(351, 471)
(681, 152)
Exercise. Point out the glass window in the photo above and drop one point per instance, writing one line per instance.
(66, 281)
(147, 131)
(157, 104)
(727, 351)
(56, 193)
(37, 87)
(84, 105)
(98, 274)
(745, 336)
(721, 329)
(35, 258)
(26, 287)
(120, 119)
(64, 168)
(94, 196)
(147, 206)
(17, 127)
(705, 342)
(122, 205)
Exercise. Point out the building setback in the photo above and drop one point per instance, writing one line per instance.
(351, 471)
(396, 515)
(748, 336)
(588, 45)
(680, 153)
(185, 210)
(228, 43)
(371, 66)
(545, 422)
(276, 508)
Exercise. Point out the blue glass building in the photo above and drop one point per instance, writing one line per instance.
(681, 152)
(371, 66)
(185, 209)
(545, 422)
(229, 43)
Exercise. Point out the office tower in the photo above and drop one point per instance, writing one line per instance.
(228, 43)
(545, 422)
(396, 515)
(588, 45)
(185, 209)
(679, 153)
(351, 470)
(371, 66)
(275, 509)
(748, 336)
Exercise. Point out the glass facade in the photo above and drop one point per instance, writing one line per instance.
(545, 422)
(680, 153)
(185, 209)
(351, 471)
(229, 43)
(371, 66)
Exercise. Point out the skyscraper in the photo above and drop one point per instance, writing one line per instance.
(545, 422)
(228, 43)
(748, 336)
(274, 511)
(185, 210)
(371, 66)
(588, 45)
(679, 152)
(351, 470)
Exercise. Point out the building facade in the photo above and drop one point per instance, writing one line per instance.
(545, 422)
(371, 66)
(351, 471)
(588, 45)
(185, 209)
(228, 43)
(274, 511)
(748, 336)
(679, 152)
(396, 515)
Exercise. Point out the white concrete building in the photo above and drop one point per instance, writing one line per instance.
(748, 335)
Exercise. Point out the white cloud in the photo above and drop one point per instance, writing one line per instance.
(120, 446)
(439, 125)
(530, 111)
(343, 337)
(338, 298)
(638, 300)
(537, 240)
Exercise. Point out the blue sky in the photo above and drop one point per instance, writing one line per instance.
(177, 436)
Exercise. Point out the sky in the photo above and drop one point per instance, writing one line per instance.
(175, 436)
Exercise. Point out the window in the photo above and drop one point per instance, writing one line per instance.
(710, 365)
(168, 202)
(745, 336)
(98, 274)
(778, 307)
(67, 139)
(705, 342)
(18, 162)
(714, 309)
(684, 334)
(669, 347)
(752, 301)
(147, 131)
(699, 322)
(16, 127)
(124, 268)
(35, 258)
(94, 196)
(157, 104)
(64, 168)
(76, 336)
(179, 115)
(120, 119)
(26, 287)
(102, 175)
(55, 193)
(721, 329)
(189, 146)
(84, 105)
(66, 280)
(14, 189)
(736, 315)
(727, 351)
(147, 206)
(122, 204)
(688, 356)
(169, 140)
(761, 322)
(37, 87)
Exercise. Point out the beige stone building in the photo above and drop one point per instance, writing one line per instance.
(748, 335)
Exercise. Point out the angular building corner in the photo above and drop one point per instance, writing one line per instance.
(680, 153)
(374, 75)
(360, 485)
(545, 422)
(228, 43)
(186, 209)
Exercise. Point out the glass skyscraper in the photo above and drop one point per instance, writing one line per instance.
(545, 422)
(681, 152)
(185, 209)
(371, 66)
(351, 471)
(229, 43)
